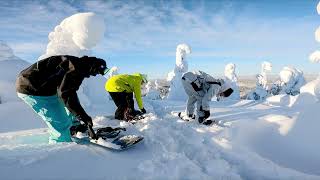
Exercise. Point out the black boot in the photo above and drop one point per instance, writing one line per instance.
(78, 128)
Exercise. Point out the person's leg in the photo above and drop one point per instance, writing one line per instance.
(53, 112)
(120, 100)
(203, 109)
(190, 105)
(130, 111)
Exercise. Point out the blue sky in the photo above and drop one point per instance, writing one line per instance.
(141, 36)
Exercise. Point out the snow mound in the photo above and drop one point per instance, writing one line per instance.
(5, 52)
(75, 35)
(10, 67)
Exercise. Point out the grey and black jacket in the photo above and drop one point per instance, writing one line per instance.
(200, 88)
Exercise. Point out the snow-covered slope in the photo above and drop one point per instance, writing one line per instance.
(251, 141)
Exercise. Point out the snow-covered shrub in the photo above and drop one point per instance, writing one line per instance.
(176, 89)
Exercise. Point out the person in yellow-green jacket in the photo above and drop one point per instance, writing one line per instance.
(121, 89)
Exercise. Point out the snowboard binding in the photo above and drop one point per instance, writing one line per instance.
(109, 132)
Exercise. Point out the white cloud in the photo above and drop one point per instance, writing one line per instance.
(140, 27)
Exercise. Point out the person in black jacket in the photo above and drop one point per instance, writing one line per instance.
(50, 88)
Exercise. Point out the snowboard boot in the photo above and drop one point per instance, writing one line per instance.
(192, 116)
(203, 121)
(78, 128)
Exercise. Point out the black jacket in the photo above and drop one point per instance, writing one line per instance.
(60, 75)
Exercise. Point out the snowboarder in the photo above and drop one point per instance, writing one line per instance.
(200, 88)
(121, 88)
(50, 88)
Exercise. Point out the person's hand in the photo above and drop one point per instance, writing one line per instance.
(87, 120)
(143, 111)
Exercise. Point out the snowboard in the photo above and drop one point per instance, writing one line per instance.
(110, 140)
(206, 122)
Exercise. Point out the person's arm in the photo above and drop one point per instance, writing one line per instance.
(67, 91)
(137, 93)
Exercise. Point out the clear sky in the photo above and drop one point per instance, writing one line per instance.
(141, 36)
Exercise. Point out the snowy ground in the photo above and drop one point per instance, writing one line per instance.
(239, 147)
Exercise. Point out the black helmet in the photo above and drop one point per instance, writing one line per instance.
(97, 65)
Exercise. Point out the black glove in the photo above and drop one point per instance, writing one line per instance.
(85, 119)
(206, 114)
(143, 111)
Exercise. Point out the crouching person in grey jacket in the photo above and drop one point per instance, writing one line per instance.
(200, 88)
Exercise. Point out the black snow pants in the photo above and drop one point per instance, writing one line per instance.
(125, 105)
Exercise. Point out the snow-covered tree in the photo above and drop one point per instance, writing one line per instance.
(290, 82)
(151, 91)
(313, 87)
(262, 89)
(174, 77)
(113, 71)
(232, 79)
(77, 35)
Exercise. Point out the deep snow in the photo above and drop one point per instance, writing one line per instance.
(249, 142)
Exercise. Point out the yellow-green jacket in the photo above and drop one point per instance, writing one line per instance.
(126, 83)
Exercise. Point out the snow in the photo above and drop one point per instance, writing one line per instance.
(261, 91)
(10, 66)
(152, 90)
(5, 51)
(251, 141)
(113, 71)
(174, 77)
(317, 34)
(315, 57)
